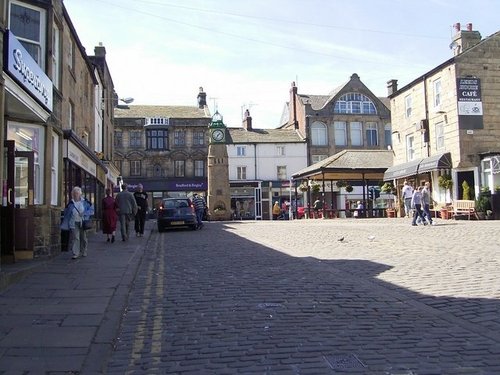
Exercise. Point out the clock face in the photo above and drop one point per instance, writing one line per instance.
(218, 135)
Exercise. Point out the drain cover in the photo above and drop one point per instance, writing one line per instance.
(341, 362)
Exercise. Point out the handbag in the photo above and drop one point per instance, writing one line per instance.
(87, 224)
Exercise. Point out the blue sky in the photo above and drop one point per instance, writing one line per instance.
(247, 53)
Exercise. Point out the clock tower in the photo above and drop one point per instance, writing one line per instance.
(219, 195)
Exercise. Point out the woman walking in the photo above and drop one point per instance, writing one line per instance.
(109, 216)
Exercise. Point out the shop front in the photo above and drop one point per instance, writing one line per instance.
(246, 200)
(167, 187)
(27, 212)
(82, 168)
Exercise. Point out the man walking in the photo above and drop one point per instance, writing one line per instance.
(127, 209)
(141, 198)
(407, 194)
(426, 202)
(199, 206)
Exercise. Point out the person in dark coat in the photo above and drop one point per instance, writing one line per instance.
(109, 216)
(141, 198)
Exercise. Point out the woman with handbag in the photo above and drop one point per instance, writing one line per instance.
(80, 210)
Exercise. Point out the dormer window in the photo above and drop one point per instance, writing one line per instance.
(355, 103)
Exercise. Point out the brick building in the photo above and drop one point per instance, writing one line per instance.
(447, 121)
(163, 147)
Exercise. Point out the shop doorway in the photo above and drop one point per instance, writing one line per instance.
(18, 215)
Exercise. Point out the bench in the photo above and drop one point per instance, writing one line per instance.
(467, 207)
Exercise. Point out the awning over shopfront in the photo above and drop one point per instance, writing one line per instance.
(435, 162)
(419, 166)
(402, 170)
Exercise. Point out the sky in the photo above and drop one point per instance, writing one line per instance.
(245, 54)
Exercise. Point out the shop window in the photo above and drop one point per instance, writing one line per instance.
(31, 138)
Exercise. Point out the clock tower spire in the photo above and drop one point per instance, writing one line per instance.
(219, 195)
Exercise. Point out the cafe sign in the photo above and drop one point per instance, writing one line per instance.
(470, 105)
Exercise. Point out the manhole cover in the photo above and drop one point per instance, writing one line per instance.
(342, 362)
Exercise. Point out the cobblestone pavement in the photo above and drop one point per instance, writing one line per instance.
(293, 298)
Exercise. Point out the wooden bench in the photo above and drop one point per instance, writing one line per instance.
(464, 207)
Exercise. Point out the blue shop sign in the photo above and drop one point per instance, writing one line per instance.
(25, 70)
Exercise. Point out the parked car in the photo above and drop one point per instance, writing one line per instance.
(176, 213)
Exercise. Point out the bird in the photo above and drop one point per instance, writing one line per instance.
(371, 238)
(341, 239)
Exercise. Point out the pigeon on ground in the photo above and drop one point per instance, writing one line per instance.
(371, 238)
(341, 239)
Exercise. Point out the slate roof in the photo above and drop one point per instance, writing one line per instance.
(241, 135)
(351, 160)
(170, 111)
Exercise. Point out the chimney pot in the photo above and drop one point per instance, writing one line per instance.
(202, 98)
(469, 27)
(457, 27)
(247, 121)
(392, 86)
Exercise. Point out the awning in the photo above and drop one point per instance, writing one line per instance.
(435, 162)
(402, 170)
(419, 166)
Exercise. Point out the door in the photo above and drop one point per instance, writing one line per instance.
(18, 232)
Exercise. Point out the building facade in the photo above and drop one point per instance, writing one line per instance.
(349, 117)
(447, 121)
(48, 126)
(164, 148)
(261, 163)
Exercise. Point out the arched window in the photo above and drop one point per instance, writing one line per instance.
(355, 103)
(318, 134)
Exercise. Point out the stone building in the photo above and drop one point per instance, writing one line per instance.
(349, 117)
(163, 147)
(447, 121)
(48, 125)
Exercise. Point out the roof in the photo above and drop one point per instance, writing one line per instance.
(241, 135)
(349, 164)
(170, 111)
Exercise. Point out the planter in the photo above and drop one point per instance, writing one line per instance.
(445, 214)
(391, 212)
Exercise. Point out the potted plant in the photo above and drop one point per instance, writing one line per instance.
(482, 205)
(341, 183)
(303, 187)
(387, 188)
(445, 181)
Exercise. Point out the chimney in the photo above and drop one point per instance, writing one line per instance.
(293, 105)
(392, 86)
(100, 50)
(202, 98)
(247, 121)
(464, 39)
